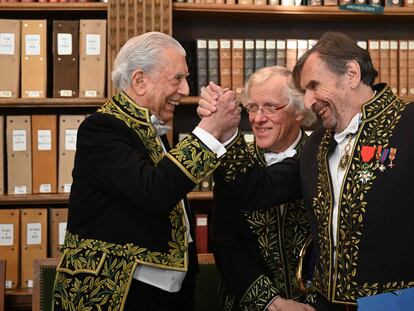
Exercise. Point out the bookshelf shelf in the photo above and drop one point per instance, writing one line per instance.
(200, 195)
(73, 6)
(301, 13)
(193, 100)
(50, 102)
(63, 198)
(20, 299)
(33, 199)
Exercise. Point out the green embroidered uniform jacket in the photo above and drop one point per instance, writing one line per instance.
(375, 228)
(255, 251)
(125, 206)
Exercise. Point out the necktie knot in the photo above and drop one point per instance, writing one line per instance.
(160, 128)
(272, 157)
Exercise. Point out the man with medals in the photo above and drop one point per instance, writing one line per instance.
(359, 197)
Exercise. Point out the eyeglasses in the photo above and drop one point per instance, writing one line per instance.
(267, 109)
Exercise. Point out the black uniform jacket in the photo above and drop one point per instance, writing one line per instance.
(375, 228)
(125, 205)
(255, 251)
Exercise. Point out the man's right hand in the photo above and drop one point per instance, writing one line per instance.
(208, 99)
(223, 120)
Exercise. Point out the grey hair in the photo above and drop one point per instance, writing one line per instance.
(143, 52)
(295, 98)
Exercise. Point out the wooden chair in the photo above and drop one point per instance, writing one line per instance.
(44, 272)
(207, 296)
(2, 283)
(207, 289)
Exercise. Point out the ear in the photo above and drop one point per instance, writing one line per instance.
(138, 82)
(353, 73)
(299, 117)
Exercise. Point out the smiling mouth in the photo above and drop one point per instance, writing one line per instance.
(173, 102)
(262, 130)
(321, 111)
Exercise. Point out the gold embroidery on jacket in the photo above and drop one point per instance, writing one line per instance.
(281, 228)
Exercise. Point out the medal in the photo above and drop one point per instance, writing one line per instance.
(367, 154)
(365, 176)
(393, 151)
(383, 158)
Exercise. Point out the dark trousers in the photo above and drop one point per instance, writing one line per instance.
(144, 297)
(324, 305)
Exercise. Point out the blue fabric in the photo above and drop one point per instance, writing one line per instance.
(400, 300)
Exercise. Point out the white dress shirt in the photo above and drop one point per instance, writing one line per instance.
(337, 173)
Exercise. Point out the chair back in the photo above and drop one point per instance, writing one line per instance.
(44, 272)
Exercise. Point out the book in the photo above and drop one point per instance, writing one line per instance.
(65, 58)
(291, 53)
(19, 154)
(10, 58)
(248, 58)
(10, 245)
(374, 51)
(393, 82)
(270, 51)
(384, 66)
(237, 65)
(202, 233)
(68, 130)
(202, 74)
(1, 155)
(225, 63)
(213, 61)
(33, 222)
(410, 67)
(259, 54)
(92, 54)
(33, 59)
(302, 48)
(397, 300)
(44, 153)
(58, 218)
(402, 68)
(281, 53)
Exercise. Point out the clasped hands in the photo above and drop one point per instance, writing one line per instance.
(219, 112)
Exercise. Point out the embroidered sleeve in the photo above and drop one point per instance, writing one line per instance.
(193, 158)
(259, 294)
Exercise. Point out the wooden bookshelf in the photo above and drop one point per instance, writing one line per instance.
(50, 102)
(54, 6)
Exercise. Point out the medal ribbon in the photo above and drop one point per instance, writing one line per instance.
(367, 153)
(384, 155)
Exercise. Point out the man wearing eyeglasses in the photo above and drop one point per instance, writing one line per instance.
(257, 251)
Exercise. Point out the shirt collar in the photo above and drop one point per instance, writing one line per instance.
(352, 128)
(160, 127)
(273, 157)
